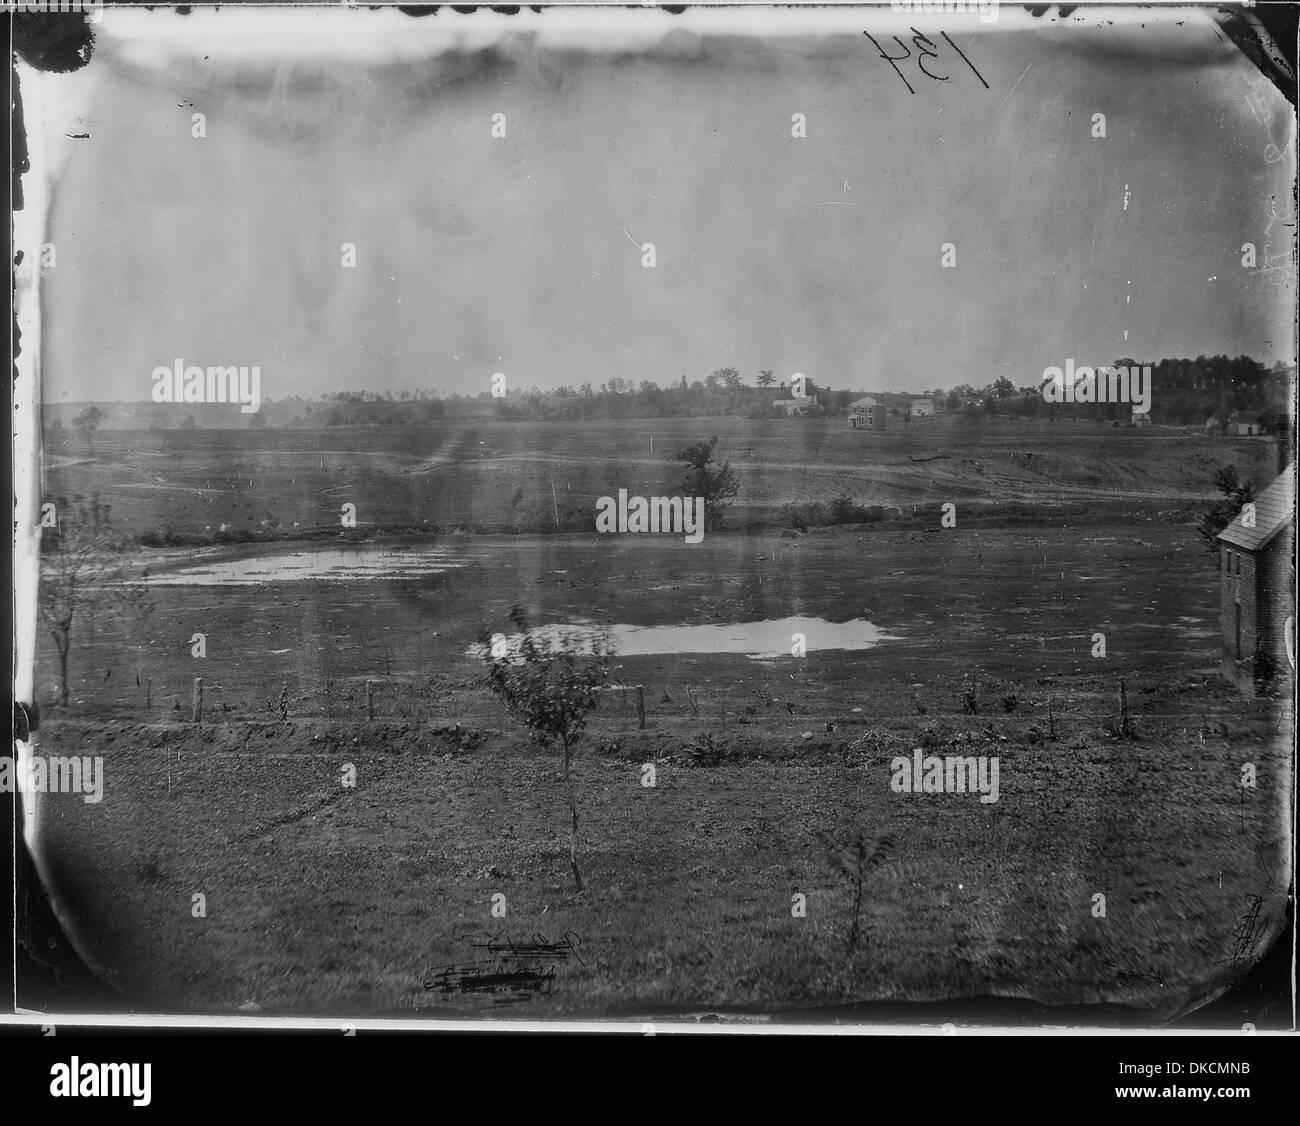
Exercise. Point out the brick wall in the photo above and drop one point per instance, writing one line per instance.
(1275, 598)
(1262, 585)
(1238, 606)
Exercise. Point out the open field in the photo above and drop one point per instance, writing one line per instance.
(323, 897)
(325, 375)
(501, 476)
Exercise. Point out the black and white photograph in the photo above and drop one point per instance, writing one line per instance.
(640, 515)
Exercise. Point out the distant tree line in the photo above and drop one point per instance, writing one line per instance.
(1183, 392)
(722, 392)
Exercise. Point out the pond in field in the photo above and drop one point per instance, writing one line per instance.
(760, 640)
(328, 565)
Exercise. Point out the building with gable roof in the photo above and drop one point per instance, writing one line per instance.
(1257, 585)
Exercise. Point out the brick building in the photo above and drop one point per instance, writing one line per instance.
(867, 414)
(1257, 585)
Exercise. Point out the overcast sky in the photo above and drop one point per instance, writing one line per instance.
(819, 255)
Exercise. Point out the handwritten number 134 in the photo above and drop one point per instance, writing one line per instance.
(923, 46)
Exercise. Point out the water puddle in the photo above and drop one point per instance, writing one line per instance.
(333, 565)
(758, 640)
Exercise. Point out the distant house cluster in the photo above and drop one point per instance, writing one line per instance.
(870, 413)
(1239, 424)
(797, 406)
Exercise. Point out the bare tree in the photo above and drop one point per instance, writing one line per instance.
(854, 862)
(83, 572)
(551, 689)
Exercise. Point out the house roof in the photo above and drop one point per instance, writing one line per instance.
(1274, 510)
(1245, 416)
(865, 401)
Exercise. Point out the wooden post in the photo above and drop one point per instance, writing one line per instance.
(196, 715)
(640, 706)
(1123, 708)
(1051, 720)
(370, 700)
(148, 694)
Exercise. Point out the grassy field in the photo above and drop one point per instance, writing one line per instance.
(322, 897)
(501, 476)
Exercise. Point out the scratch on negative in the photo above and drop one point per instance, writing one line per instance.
(1013, 88)
(630, 238)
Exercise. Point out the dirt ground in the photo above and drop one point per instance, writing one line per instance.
(321, 896)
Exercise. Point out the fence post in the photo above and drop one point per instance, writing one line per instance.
(370, 700)
(197, 713)
(148, 694)
(1051, 721)
(1123, 708)
(640, 706)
